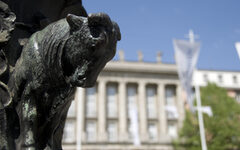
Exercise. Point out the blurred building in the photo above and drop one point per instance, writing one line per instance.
(230, 80)
(99, 116)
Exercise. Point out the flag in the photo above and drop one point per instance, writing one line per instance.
(237, 45)
(186, 54)
(134, 128)
(207, 110)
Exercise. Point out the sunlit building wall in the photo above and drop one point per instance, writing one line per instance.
(99, 117)
(105, 124)
(230, 80)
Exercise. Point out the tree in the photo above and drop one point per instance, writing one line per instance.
(222, 130)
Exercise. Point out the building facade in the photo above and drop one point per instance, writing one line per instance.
(230, 80)
(99, 118)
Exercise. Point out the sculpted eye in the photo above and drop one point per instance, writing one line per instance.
(6, 15)
(95, 31)
(2, 14)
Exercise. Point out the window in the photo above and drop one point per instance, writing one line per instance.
(131, 98)
(237, 97)
(151, 96)
(91, 100)
(172, 129)
(171, 109)
(91, 131)
(153, 131)
(235, 80)
(170, 96)
(172, 112)
(112, 101)
(112, 112)
(205, 78)
(72, 110)
(112, 131)
(220, 78)
(151, 102)
(69, 135)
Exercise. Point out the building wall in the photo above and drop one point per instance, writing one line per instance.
(99, 117)
(104, 110)
(226, 79)
(229, 80)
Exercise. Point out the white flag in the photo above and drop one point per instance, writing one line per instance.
(237, 45)
(186, 58)
(134, 125)
(207, 110)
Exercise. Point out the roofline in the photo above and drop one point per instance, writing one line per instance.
(148, 62)
(161, 64)
(141, 67)
(219, 70)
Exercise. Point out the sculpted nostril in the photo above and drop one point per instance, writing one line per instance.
(81, 77)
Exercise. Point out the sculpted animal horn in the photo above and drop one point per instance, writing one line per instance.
(3, 64)
(5, 98)
(74, 21)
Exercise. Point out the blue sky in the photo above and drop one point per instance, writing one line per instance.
(150, 26)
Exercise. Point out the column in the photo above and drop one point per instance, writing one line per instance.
(142, 110)
(102, 134)
(123, 134)
(162, 112)
(80, 101)
(180, 105)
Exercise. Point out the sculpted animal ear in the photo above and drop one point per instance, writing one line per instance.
(75, 22)
(116, 30)
(100, 19)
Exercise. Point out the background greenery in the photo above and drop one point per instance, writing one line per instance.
(222, 130)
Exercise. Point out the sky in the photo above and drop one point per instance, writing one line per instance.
(151, 25)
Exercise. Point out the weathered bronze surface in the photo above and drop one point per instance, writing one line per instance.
(7, 19)
(36, 91)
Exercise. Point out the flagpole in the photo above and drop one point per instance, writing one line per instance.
(199, 104)
(200, 119)
(79, 99)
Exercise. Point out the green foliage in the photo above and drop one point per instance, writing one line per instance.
(222, 130)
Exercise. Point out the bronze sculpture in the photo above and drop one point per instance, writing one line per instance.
(39, 88)
(7, 19)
